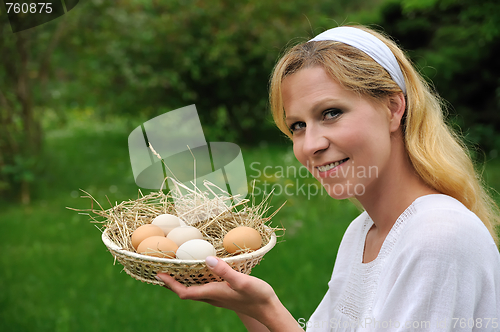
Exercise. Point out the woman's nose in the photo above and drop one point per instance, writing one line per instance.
(314, 142)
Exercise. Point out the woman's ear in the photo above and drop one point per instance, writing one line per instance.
(397, 107)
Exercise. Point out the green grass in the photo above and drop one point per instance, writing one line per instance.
(57, 275)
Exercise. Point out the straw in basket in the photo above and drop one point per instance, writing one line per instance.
(214, 215)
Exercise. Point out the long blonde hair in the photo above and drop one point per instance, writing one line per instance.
(436, 152)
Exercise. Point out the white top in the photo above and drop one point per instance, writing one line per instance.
(438, 270)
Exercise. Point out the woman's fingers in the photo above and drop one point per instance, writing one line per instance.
(207, 292)
(218, 267)
(223, 270)
(170, 282)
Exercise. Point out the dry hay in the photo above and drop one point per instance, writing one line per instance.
(214, 215)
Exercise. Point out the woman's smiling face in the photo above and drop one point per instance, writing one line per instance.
(343, 138)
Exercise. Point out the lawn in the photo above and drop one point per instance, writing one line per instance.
(58, 276)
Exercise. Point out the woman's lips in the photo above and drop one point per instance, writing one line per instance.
(324, 170)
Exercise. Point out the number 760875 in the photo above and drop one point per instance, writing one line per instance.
(29, 7)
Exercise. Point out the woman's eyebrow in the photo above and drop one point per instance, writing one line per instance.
(319, 104)
(291, 118)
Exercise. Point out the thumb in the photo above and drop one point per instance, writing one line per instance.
(222, 269)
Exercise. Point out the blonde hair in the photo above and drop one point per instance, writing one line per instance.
(436, 152)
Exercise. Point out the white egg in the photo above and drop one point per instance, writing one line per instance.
(195, 249)
(182, 234)
(167, 222)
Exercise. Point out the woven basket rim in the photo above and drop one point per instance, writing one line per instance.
(242, 257)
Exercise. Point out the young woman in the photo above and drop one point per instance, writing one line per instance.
(423, 255)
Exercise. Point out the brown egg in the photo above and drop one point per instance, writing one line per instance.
(158, 246)
(144, 232)
(242, 238)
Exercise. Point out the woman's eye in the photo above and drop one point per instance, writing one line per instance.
(297, 126)
(331, 113)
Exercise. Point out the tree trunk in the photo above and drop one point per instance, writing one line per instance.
(21, 134)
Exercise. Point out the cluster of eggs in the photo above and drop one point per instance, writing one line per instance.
(168, 237)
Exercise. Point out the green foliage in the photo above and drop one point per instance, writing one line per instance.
(455, 44)
(151, 57)
(20, 169)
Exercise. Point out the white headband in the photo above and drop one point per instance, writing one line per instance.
(370, 45)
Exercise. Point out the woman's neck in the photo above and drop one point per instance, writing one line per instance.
(393, 191)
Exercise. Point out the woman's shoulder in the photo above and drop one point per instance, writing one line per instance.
(446, 216)
(440, 202)
(440, 224)
(443, 249)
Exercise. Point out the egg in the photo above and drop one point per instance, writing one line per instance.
(144, 232)
(182, 234)
(158, 246)
(195, 249)
(240, 238)
(167, 222)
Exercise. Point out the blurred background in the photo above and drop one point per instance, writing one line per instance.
(73, 89)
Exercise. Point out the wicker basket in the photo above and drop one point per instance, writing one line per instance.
(187, 272)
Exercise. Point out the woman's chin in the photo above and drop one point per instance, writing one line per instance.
(344, 191)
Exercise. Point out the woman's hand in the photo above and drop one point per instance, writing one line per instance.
(241, 293)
